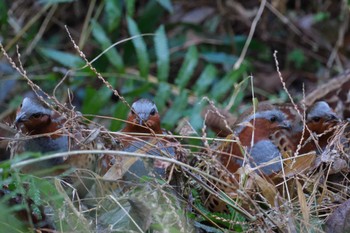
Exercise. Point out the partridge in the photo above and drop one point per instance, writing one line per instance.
(144, 119)
(253, 131)
(320, 122)
(335, 92)
(48, 132)
(33, 118)
(250, 143)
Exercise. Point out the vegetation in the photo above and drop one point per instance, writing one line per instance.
(100, 56)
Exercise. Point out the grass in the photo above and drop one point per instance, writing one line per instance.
(102, 55)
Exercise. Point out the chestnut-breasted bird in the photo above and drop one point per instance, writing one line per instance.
(48, 133)
(320, 119)
(318, 128)
(144, 118)
(252, 132)
(34, 118)
(249, 144)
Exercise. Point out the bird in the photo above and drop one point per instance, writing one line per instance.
(252, 131)
(311, 134)
(320, 119)
(335, 92)
(218, 120)
(48, 131)
(144, 120)
(34, 118)
(248, 144)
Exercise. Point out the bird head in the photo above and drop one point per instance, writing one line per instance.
(321, 117)
(143, 115)
(262, 124)
(32, 116)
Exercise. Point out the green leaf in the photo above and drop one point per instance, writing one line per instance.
(220, 58)
(163, 93)
(113, 10)
(321, 16)
(140, 47)
(130, 7)
(113, 56)
(148, 19)
(166, 4)
(95, 101)
(188, 66)
(53, 1)
(205, 80)
(121, 111)
(66, 59)
(297, 56)
(3, 13)
(176, 111)
(162, 52)
(225, 84)
(196, 119)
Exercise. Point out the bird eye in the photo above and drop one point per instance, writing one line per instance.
(316, 119)
(37, 115)
(273, 119)
(153, 111)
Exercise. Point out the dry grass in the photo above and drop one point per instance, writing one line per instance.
(299, 199)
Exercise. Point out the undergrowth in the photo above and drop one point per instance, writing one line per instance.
(68, 51)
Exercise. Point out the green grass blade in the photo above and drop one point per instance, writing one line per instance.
(163, 94)
(113, 10)
(3, 14)
(221, 88)
(65, 59)
(188, 66)
(113, 56)
(162, 52)
(205, 80)
(166, 4)
(130, 7)
(140, 47)
(176, 111)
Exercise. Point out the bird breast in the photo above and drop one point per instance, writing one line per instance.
(265, 151)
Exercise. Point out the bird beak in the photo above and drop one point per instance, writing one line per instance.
(142, 118)
(21, 117)
(285, 125)
(333, 118)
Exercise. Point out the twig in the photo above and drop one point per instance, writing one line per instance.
(250, 36)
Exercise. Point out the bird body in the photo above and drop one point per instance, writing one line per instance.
(312, 134)
(33, 118)
(144, 119)
(249, 144)
(46, 131)
(252, 132)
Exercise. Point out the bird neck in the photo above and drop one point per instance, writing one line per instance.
(248, 132)
(49, 124)
(130, 128)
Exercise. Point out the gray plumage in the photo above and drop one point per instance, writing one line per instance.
(31, 106)
(143, 108)
(268, 115)
(265, 151)
(322, 110)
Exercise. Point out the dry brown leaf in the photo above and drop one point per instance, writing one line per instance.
(118, 170)
(268, 190)
(303, 204)
(299, 164)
